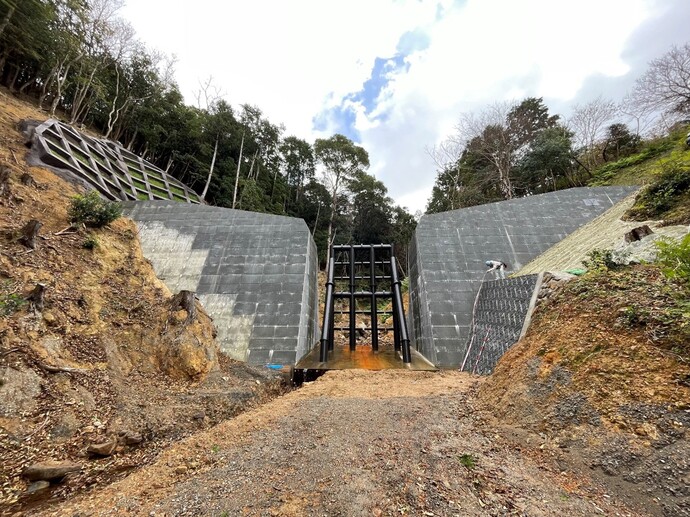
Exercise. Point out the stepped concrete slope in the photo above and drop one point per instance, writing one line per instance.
(448, 251)
(256, 274)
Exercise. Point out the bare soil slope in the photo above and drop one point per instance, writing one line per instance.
(108, 359)
(604, 375)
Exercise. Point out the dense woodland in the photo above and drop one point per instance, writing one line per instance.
(83, 63)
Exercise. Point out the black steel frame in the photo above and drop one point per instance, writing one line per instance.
(400, 336)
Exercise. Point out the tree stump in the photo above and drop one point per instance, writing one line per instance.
(185, 300)
(27, 179)
(4, 182)
(36, 297)
(29, 233)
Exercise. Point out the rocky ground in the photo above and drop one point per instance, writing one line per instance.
(357, 443)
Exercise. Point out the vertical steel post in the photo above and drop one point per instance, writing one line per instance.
(374, 307)
(353, 302)
(327, 329)
(400, 313)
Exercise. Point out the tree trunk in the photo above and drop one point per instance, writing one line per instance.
(3, 59)
(185, 300)
(210, 171)
(36, 297)
(14, 79)
(6, 19)
(134, 137)
(80, 96)
(316, 222)
(29, 233)
(113, 109)
(237, 176)
(273, 188)
(45, 89)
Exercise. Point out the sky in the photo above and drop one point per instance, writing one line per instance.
(395, 75)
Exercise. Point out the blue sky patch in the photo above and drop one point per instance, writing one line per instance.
(344, 116)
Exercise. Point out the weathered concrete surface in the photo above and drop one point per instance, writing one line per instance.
(448, 251)
(256, 274)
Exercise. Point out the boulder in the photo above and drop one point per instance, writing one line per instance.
(130, 438)
(50, 470)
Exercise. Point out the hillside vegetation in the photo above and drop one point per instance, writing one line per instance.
(663, 167)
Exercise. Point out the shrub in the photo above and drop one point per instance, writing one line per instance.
(90, 242)
(9, 301)
(599, 260)
(664, 193)
(674, 258)
(93, 211)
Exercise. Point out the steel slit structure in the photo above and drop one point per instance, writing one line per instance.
(379, 262)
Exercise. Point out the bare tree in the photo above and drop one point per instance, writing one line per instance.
(589, 121)
(665, 86)
(638, 118)
(488, 135)
(208, 94)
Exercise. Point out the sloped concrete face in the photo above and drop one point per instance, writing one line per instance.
(448, 251)
(255, 274)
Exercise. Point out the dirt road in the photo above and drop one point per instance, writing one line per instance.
(355, 443)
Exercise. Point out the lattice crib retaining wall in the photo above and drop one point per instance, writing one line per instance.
(116, 173)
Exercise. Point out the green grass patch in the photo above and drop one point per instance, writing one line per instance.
(135, 173)
(468, 461)
(643, 167)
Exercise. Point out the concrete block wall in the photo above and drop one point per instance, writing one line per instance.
(255, 274)
(448, 251)
(499, 317)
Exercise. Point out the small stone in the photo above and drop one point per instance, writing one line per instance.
(181, 469)
(50, 470)
(130, 437)
(49, 318)
(199, 415)
(37, 486)
(103, 449)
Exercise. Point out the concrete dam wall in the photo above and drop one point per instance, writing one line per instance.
(448, 251)
(255, 274)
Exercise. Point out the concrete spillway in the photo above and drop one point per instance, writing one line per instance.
(254, 273)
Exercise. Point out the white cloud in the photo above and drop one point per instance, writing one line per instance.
(298, 59)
